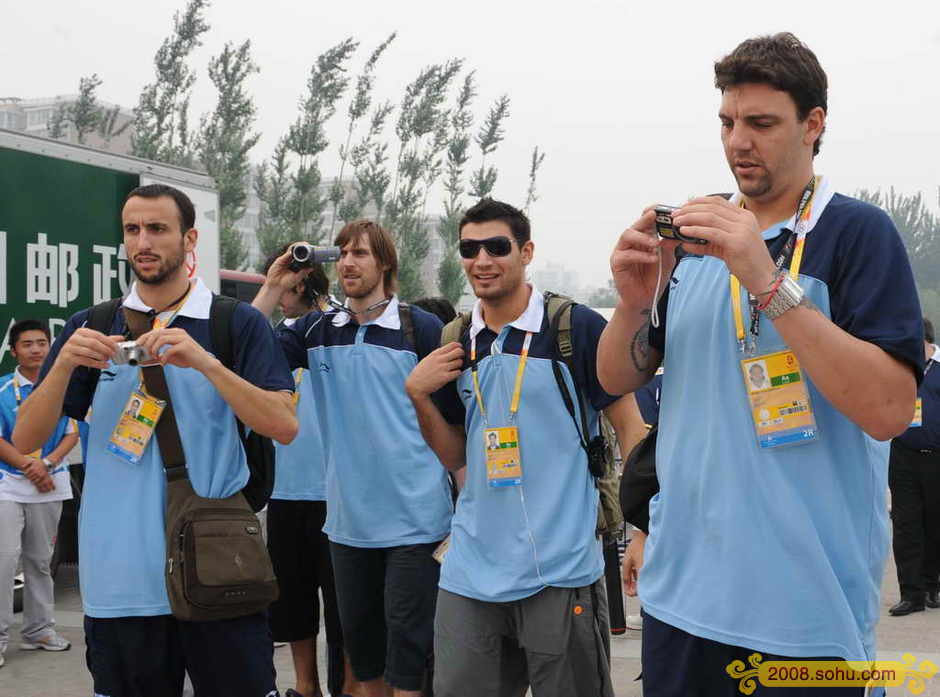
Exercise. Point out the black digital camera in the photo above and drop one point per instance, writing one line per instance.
(668, 230)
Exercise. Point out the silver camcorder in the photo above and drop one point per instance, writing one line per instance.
(129, 353)
(304, 255)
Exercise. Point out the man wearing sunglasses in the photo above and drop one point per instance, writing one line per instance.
(521, 598)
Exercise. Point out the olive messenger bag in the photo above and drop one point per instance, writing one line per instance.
(217, 563)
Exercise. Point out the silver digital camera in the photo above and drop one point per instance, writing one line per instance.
(129, 353)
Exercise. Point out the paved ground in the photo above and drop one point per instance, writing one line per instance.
(39, 674)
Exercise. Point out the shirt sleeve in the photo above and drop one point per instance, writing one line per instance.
(81, 388)
(586, 328)
(449, 404)
(259, 358)
(427, 331)
(293, 342)
(872, 292)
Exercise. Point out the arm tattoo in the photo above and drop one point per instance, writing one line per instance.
(640, 346)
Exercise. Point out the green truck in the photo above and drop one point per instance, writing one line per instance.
(60, 233)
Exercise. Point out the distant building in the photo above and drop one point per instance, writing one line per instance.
(35, 116)
(560, 279)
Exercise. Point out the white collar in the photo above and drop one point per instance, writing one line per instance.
(529, 321)
(197, 304)
(821, 198)
(21, 379)
(935, 357)
(389, 318)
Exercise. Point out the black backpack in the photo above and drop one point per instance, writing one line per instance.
(259, 450)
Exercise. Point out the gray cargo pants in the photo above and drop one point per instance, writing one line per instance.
(28, 530)
(557, 641)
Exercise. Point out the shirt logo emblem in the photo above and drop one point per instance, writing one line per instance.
(324, 368)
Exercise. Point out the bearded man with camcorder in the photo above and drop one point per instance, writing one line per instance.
(770, 530)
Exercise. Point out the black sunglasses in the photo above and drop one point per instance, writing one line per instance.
(495, 247)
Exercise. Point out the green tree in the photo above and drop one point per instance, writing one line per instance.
(108, 128)
(919, 228)
(161, 118)
(225, 138)
(488, 139)
(531, 195)
(307, 139)
(58, 122)
(84, 112)
(358, 108)
(422, 132)
(371, 177)
(273, 187)
(450, 277)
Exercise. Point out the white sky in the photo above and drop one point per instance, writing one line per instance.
(620, 97)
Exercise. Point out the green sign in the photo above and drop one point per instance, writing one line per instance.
(60, 239)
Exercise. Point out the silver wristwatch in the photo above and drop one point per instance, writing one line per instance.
(788, 296)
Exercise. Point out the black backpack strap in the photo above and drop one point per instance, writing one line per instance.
(407, 325)
(101, 316)
(101, 319)
(220, 328)
(558, 311)
(220, 334)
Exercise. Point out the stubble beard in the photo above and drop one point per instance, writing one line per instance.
(164, 271)
(364, 291)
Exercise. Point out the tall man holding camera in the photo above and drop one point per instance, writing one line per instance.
(522, 599)
(388, 498)
(770, 531)
(136, 648)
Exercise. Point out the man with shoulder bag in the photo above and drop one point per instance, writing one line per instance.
(174, 573)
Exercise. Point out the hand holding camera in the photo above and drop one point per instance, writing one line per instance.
(730, 233)
(635, 262)
(88, 349)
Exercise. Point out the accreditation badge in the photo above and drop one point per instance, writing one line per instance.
(918, 414)
(779, 400)
(503, 461)
(135, 427)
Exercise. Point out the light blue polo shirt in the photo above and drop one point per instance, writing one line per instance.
(121, 524)
(384, 485)
(14, 485)
(511, 542)
(781, 550)
(300, 469)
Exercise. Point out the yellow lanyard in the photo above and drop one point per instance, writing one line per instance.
(520, 371)
(803, 216)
